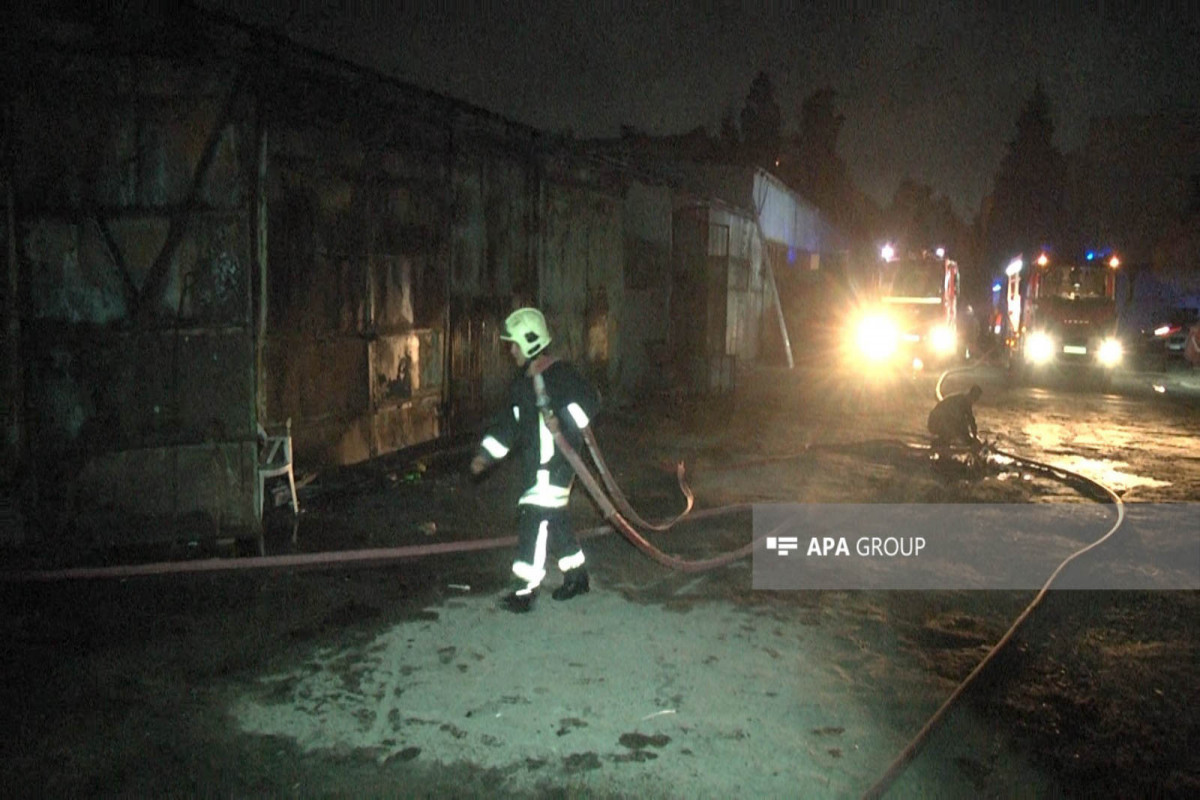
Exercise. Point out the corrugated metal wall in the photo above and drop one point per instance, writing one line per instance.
(646, 220)
(718, 319)
(582, 276)
(496, 231)
(131, 184)
(358, 201)
(236, 231)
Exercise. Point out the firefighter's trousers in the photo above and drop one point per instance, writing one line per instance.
(542, 532)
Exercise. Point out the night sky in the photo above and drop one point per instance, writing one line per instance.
(931, 93)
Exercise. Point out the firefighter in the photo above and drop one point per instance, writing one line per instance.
(544, 391)
(952, 420)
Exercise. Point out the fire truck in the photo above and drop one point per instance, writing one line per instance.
(910, 319)
(1062, 315)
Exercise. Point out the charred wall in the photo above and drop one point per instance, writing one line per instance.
(358, 197)
(646, 221)
(214, 229)
(134, 275)
(582, 275)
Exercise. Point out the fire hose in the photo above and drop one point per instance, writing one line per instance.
(608, 508)
(914, 746)
(614, 491)
(612, 504)
(618, 513)
(909, 753)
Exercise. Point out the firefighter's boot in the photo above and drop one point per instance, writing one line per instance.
(520, 601)
(575, 581)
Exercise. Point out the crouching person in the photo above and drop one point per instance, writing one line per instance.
(952, 420)
(544, 388)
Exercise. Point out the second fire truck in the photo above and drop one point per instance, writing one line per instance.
(1062, 314)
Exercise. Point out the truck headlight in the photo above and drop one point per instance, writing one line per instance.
(1111, 352)
(877, 337)
(942, 339)
(1040, 347)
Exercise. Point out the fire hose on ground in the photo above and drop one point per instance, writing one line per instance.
(910, 751)
(621, 517)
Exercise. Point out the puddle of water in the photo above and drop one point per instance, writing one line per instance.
(1110, 473)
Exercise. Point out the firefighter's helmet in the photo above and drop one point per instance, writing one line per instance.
(527, 327)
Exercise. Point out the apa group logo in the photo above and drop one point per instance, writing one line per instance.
(783, 544)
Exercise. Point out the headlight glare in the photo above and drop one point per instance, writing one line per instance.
(877, 337)
(1040, 347)
(942, 339)
(1110, 352)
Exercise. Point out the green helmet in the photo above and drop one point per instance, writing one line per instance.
(527, 327)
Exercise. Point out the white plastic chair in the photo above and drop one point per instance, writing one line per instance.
(275, 460)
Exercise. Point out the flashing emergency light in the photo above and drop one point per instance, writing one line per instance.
(941, 252)
(1043, 260)
(888, 252)
(1114, 262)
(995, 287)
(1091, 256)
(1014, 267)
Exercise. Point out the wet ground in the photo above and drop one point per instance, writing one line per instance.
(403, 679)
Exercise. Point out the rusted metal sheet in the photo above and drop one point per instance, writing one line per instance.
(583, 276)
(137, 335)
(646, 227)
(405, 366)
(407, 389)
(716, 302)
(99, 392)
(211, 244)
(316, 381)
(352, 271)
(481, 368)
(183, 492)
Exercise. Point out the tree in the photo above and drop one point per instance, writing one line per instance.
(761, 123)
(810, 164)
(1027, 199)
(820, 124)
(814, 167)
(729, 140)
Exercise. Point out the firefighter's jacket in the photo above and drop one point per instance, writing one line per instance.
(520, 426)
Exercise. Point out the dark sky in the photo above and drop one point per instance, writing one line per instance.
(931, 92)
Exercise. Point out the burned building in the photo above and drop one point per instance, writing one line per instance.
(211, 231)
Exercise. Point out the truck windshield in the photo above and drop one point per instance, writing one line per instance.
(915, 279)
(1076, 283)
